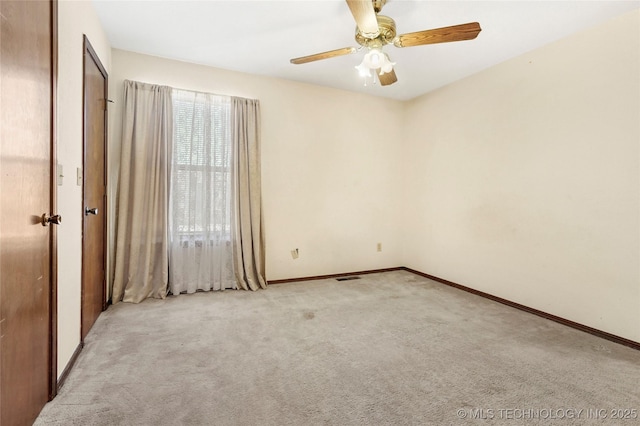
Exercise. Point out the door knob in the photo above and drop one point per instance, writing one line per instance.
(88, 211)
(56, 219)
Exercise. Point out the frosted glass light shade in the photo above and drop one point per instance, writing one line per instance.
(373, 60)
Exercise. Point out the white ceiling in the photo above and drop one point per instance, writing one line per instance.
(260, 37)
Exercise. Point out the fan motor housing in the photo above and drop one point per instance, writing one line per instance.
(387, 28)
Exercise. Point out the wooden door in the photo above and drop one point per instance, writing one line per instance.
(94, 189)
(26, 107)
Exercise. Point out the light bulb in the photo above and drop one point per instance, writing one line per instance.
(375, 59)
(363, 70)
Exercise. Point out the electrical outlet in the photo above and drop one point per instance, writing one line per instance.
(295, 253)
(379, 246)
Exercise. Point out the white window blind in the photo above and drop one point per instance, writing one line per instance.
(201, 163)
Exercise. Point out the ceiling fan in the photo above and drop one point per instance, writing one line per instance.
(373, 31)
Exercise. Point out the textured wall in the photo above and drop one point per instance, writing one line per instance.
(523, 180)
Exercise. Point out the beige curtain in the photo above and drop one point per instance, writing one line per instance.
(141, 260)
(247, 229)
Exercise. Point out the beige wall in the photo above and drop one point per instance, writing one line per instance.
(523, 180)
(75, 18)
(330, 164)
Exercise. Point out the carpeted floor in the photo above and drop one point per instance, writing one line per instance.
(390, 348)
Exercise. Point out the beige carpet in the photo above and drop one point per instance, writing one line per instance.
(389, 348)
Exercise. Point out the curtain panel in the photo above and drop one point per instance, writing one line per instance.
(141, 263)
(248, 229)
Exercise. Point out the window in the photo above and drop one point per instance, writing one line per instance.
(201, 168)
(201, 253)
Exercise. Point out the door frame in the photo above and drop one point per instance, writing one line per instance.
(88, 50)
(53, 270)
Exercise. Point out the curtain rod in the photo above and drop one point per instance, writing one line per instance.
(191, 90)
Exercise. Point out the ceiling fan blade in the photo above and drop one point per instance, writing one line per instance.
(365, 16)
(387, 78)
(323, 55)
(439, 35)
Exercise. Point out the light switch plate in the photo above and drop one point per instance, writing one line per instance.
(79, 176)
(60, 174)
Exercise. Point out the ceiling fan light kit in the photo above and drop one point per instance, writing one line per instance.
(376, 59)
(373, 31)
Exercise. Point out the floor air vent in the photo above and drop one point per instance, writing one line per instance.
(347, 278)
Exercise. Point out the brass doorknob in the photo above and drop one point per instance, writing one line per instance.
(56, 219)
(88, 211)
